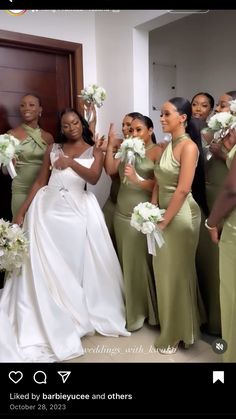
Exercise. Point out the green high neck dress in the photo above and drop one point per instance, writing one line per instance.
(29, 161)
(136, 263)
(178, 295)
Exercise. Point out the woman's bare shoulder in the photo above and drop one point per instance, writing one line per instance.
(47, 136)
(18, 132)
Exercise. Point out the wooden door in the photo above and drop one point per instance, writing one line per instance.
(49, 68)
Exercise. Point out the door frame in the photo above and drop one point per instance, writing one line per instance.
(38, 43)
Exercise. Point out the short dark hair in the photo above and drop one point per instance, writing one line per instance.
(34, 95)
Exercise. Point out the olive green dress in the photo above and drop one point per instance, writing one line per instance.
(208, 252)
(178, 296)
(228, 279)
(136, 263)
(29, 161)
(109, 206)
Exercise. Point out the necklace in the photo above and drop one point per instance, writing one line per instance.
(149, 146)
(180, 137)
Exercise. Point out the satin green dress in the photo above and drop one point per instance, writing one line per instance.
(28, 163)
(179, 302)
(208, 252)
(227, 248)
(136, 262)
(110, 205)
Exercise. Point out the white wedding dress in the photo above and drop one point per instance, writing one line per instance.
(71, 284)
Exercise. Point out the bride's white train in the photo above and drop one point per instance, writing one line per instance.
(71, 284)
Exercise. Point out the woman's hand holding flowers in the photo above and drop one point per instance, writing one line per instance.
(216, 150)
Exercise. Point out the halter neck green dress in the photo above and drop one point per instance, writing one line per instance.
(136, 262)
(227, 248)
(29, 161)
(178, 294)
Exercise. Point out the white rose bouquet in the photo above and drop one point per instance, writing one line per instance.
(218, 126)
(93, 94)
(144, 218)
(13, 246)
(130, 149)
(8, 150)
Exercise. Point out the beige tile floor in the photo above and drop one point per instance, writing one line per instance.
(139, 348)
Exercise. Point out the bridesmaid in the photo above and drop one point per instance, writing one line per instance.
(224, 211)
(109, 206)
(174, 264)
(132, 249)
(33, 143)
(208, 255)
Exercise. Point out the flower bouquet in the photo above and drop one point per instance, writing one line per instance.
(95, 95)
(130, 149)
(218, 127)
(8, 150)
(144, 218)
(13, 246)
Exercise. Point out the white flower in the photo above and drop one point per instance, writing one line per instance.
(8, 148)
(13, 246)
(131, 144)
(221, 120)
(93, 94)
(233, 106)
(145, 216)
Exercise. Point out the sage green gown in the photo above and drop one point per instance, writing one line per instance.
(208, 252)
(227, 248)
(110, 205)
(179, 303)
(136, 262)
(28, 163)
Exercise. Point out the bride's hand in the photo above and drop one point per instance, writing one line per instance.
(19, 219)
(62, 162)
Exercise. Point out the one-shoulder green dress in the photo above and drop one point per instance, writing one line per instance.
(178, 295)
(136, 262)
(28, 163)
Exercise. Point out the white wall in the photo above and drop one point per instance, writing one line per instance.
(203, 48)
(115, 55)
(73, 26)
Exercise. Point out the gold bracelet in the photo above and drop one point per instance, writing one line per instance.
(208, 227)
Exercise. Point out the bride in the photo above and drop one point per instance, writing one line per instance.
(71, 283)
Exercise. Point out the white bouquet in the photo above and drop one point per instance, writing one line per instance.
(93, 94)
(144, 218)
(13, 246)
(221, 121)
(8, 150)
(130, 149)
(218, 127)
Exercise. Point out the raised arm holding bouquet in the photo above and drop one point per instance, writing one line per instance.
(218, 129)
(93, 95)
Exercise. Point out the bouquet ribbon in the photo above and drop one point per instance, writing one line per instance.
(154, 238)
(11, 169)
